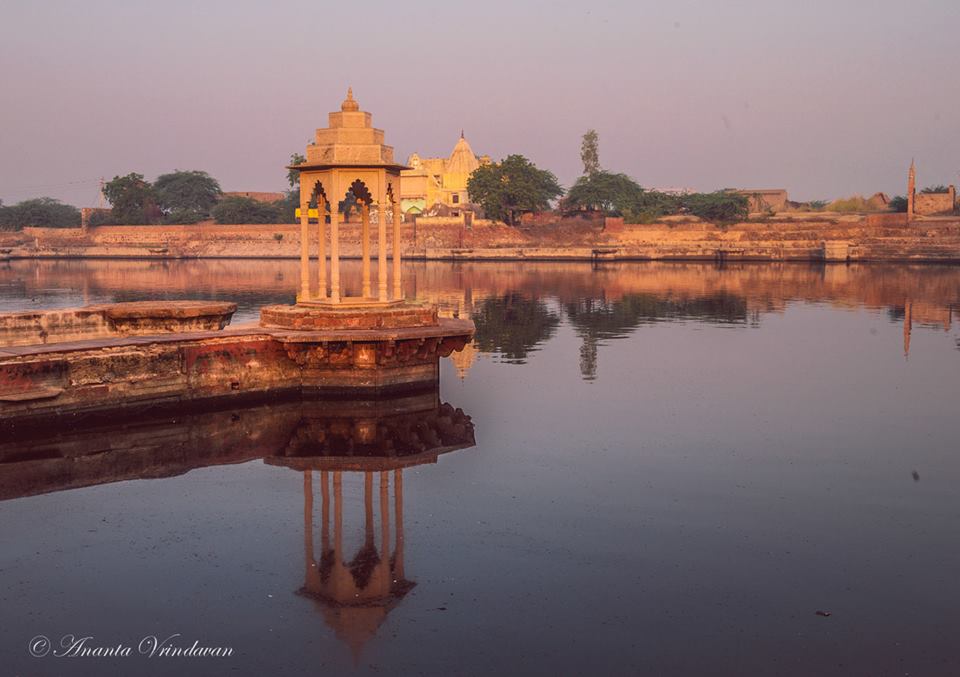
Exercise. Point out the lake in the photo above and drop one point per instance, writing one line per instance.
(636, 468)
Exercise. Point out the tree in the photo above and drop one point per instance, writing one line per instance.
(935, 189)
(288, 206)
(186, 196)
(293, 175)
(590, 152)
(245, 210)
(133, 200)
(720, 206)
(42, 211)
(650, 205)
(898, 204)
(511, 187)
(612, 194)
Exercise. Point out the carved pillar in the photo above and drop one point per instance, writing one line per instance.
(322, 254)
(382, 253)
(397, 283)
(304, 249)
(334, 253)
(365, 247)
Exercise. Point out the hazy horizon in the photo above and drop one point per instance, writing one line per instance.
(825, 100)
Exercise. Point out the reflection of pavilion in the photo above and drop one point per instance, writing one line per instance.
(356, 594)
(322, 439)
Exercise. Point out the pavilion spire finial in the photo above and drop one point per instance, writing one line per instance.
(461, 132)
(349, 104)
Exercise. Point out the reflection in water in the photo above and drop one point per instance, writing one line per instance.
(759, 438)
(355, 595)
(596, 320)
(513, 325)
(372, 438)
(517, 307)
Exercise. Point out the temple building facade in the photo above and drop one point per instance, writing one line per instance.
(438, 186)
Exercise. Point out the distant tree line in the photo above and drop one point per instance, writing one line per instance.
(505, 190)
(44, 212)
(515, 186)
(184, 197)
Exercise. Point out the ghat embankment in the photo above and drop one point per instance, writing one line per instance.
(797, 237)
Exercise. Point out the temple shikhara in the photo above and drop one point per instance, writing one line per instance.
(438, 186)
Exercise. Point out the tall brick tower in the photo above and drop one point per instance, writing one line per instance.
(911, 189)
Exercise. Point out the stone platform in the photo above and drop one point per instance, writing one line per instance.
(138, 318)
(79, 378)
(370, 315)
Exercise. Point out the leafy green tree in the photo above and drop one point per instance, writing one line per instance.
(186, 196)
(245, 210)
(590, 152)
(650, 205)
(935, 189)
(42, 211)
(293, 175)
(512, 187)
(132, 198)
(898, 204)
(287, 207)
(612, 194)
(720, 206)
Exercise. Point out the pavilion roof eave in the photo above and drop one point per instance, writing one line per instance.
(347, 165)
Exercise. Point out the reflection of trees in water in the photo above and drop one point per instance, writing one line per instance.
(513, 324)
(595, 320)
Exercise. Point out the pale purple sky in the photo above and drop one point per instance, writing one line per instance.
(823, 97)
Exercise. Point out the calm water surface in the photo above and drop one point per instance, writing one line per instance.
(670, 469)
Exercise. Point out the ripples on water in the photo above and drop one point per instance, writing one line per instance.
(675, 466)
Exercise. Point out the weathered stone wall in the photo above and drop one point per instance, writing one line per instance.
(787, 237)
(929, 204)
(102, 374)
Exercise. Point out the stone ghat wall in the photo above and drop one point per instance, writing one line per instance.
(793, 237)
(98, 375)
